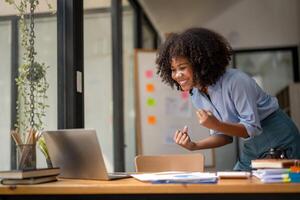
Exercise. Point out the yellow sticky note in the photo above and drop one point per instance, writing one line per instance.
(151, 120)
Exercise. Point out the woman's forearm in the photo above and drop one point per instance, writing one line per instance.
(232, 129)
(211, 142)
(208, 120)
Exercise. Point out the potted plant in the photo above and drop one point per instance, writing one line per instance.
(32, 87)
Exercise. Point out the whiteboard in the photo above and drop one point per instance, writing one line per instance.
(162, 110)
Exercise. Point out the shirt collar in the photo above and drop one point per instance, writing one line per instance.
(215, 87)
(212, 88)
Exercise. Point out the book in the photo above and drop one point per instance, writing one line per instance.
(266, 172)
(21, 174)
(233, 174)
(282, 175)
(283, 179)
(273, 163)
(29, 181)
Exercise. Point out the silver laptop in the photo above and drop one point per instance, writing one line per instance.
(77, 152)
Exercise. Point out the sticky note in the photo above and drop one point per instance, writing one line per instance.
(151, 119)
(149, 73)
(150, 87)
(151, 102)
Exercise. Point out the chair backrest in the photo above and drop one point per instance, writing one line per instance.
(159, 163)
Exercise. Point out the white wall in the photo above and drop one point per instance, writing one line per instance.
(246, 23)
(259, 23)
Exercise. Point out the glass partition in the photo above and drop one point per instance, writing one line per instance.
(46, 48)
(129, 88)
(98, 76)
(266, 67)
(148, 36)
(5, 88)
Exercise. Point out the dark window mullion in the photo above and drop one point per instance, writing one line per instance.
(138, 31)
(117, 82)
(140, 19)
(295, 64)
(70, 63)
(152, 29)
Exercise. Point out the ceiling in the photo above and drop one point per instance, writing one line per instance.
(175, 15)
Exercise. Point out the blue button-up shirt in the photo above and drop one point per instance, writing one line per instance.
(236, 98)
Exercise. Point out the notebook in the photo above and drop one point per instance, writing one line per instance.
(31, 173)
(29, 181)
(78, 154)
(273, 163)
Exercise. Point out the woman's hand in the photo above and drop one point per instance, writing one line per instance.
(207, 119)
(183, 139)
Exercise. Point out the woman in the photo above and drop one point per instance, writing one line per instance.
(228, 101)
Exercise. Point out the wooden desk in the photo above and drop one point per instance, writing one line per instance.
(133, 189)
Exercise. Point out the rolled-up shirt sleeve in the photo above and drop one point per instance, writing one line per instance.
(244, 94)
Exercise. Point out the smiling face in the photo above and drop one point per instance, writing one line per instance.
(182, 72)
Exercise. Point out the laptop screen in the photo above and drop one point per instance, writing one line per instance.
(77, 152)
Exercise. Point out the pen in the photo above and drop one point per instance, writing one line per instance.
(16, 137)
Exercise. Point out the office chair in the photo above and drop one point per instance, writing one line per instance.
(174, 162)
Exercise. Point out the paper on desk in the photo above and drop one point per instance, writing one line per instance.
(233, 174)
(173, 177)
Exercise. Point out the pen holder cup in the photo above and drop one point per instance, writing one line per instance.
(26, 156)
(49, 163)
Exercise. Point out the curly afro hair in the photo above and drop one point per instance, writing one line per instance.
(208, 52)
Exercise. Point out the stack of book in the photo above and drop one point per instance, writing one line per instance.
(272, 175)
(27, 177)
(276, 170)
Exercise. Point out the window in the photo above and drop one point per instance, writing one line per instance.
(46, 48)
(268, 65)
(5, 87)
(129, 87)
(148, 36)
(98, 106)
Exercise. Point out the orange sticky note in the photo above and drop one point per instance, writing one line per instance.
(149, 87)
(151, 120)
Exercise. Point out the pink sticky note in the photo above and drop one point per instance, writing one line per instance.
(185, 95)
(149, 73)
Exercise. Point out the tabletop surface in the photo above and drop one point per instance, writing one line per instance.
(132, 186)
